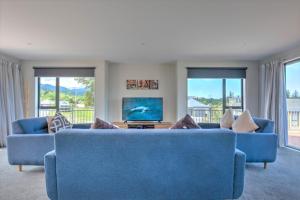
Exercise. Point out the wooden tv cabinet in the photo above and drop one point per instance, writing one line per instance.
(144, 125)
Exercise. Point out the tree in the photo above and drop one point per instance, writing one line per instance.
(295, 94)
(89, 84)
(288, 93)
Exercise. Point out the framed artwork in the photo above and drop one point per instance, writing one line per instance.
(142, 84)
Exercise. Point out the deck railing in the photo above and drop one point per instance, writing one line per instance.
(294, 120)
(209, 115)
(74, 115)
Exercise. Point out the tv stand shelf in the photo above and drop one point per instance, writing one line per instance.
(144, 125)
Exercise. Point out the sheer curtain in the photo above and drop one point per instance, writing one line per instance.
(11, 97)
(273, 97)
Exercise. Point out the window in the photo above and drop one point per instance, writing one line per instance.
(234, 90)
(209, 95)
(72, 96)
(293, 102)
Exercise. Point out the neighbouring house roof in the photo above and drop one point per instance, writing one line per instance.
(192, 103)
(293, 104)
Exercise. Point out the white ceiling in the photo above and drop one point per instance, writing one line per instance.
(148, 30)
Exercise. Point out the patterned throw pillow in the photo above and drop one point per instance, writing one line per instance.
(100, 124)
(186, 122)
(59, 122)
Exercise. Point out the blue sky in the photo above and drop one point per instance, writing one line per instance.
(67, 82)
(293, 77)
(212, 88)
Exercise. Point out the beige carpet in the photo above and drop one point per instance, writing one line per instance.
(14, 185)
(280, 181)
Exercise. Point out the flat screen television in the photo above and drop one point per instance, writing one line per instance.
(142, 109)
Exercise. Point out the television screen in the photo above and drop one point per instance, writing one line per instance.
(142, 109)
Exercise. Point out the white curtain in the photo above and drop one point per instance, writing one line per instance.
(273, 97)
(11, 97)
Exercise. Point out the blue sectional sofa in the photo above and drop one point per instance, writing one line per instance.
(260, 146)
(144, 164)
(30, 141)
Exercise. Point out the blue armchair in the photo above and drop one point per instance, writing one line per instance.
(260, 146)
(30, 141)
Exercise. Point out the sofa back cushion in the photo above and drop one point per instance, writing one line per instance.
(38, 125)
(206, 125)
(265, 125)
(145, 164)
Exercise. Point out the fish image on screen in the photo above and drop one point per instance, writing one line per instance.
(142, 109)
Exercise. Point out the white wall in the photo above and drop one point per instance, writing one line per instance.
(251, 92)
(100, 83)
(119, 73)
(111, 85)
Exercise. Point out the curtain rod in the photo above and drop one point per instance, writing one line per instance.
(290, 60)
(283, 60)
(219, 68)
(9, 59)
(52, 67)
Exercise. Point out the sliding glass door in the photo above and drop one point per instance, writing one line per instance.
(293, 103)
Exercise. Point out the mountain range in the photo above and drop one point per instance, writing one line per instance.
(77, 91)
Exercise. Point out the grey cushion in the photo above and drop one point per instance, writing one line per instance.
(186, 122)
(100, 124)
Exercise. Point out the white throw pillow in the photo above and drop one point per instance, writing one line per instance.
(244, 123)
(227, 119)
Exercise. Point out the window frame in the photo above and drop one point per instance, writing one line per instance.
(57, 96)
(56, 107)
(286, 63)
(224, 95)
(224, 104)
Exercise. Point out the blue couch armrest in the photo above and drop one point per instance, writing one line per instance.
(16, 128)
(28, 149)
(259, 147)
(50, 175)
(239, 173)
